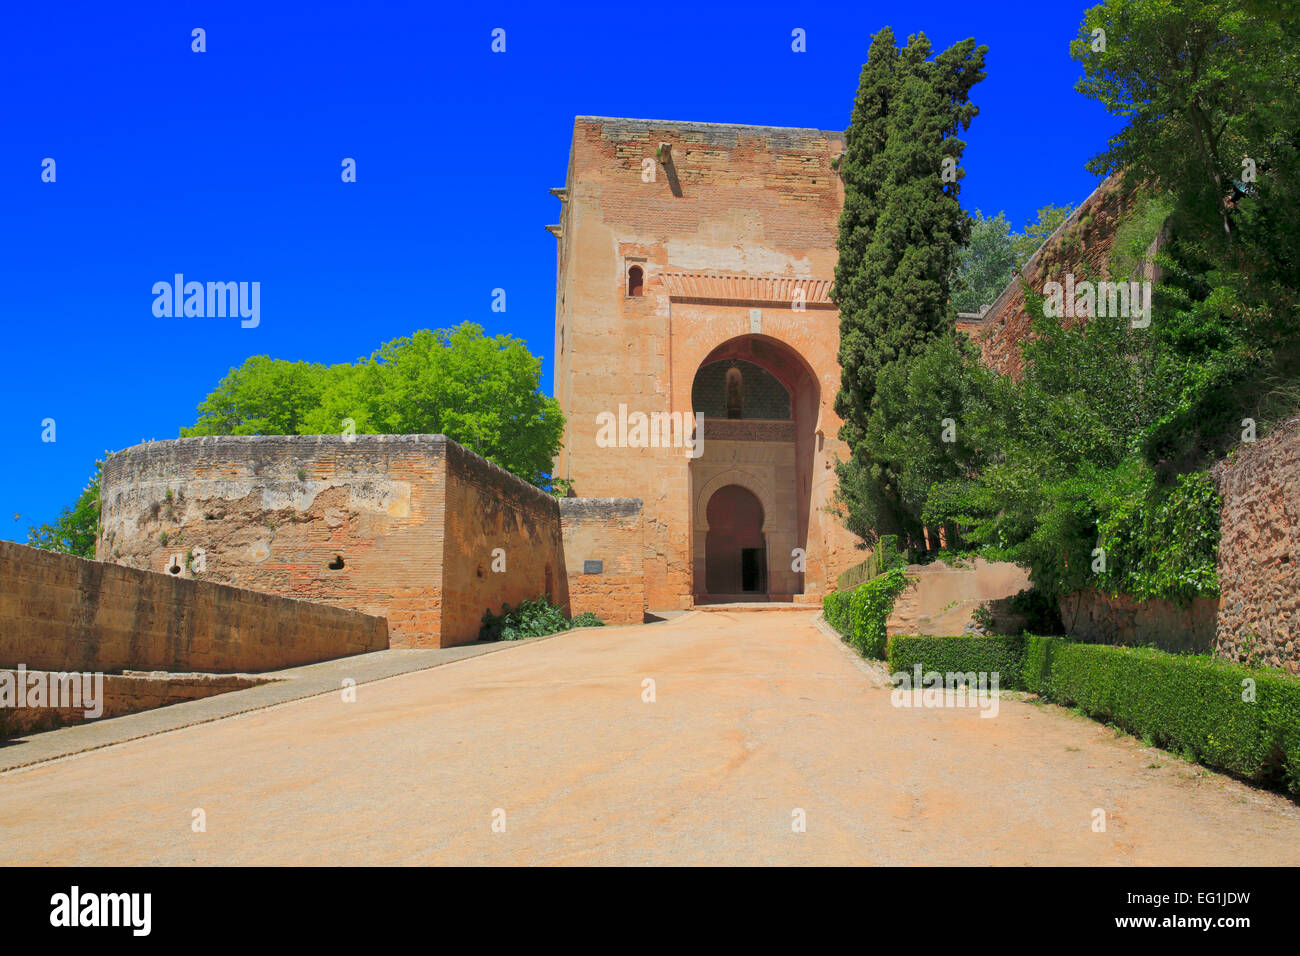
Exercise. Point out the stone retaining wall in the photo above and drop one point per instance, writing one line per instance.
(63, 613)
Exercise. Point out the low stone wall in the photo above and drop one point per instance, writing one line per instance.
(1259, 551)
(414, 528)
(121, 694)
(62, 613)
(940, 599)
(1096, 618)
(502, 544)
(351, 521)
(604, 557)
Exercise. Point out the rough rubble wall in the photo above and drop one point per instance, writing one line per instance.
(608, 531)
(745, 203)
(353, 523)
(1259, 551)
(62, 613)
(489, 509)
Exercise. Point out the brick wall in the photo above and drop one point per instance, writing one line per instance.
(61, 613)
(487, 509)
(1082, 245)
(1259, 551)
(735, 218)
(607, 530)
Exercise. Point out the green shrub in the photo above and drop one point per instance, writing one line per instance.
(860, 615)
(884, 557)
(1188, 704)
(531, 619)
(989, 655)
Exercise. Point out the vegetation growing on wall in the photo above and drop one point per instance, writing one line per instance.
(1092, 469)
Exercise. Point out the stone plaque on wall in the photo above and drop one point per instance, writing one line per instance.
(593, 567)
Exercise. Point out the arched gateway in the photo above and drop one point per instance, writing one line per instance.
(751, 484)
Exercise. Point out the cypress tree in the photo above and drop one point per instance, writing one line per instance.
(900, 232)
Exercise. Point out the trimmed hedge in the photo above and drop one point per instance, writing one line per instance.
(1191, 705)
(860, 614)
(990, 655)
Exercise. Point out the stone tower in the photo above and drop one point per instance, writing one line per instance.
(694, 262)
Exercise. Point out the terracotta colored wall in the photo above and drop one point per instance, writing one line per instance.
(414, 518)
(1120, 619)
(941, 599)
(1259, 551)
(488, 508)
(607, 530)
(747, 203)
(272, 513)
(63, 613)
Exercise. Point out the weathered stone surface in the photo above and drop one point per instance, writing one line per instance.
(940, 598)
(1259, 551)
(413, 528)
(62, 613)
(1121, 619)
(608, 532)
(126, 693)
(740, 222)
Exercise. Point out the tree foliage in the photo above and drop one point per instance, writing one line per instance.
(900, 231)
(1091, 469)
(76, 529)
(481, 391)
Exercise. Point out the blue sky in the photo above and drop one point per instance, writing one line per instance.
(225, 165)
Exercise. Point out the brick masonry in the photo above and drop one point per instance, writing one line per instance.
(735, 218)
(63, 613)
(1082, 245)
(608, 531)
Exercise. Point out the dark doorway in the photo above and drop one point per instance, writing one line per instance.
(752, 566)
(735, 553)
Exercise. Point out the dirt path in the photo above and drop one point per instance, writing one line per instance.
(756, 714)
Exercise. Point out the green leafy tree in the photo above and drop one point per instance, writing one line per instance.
(984, 263)
(1199, 83)
(900, 231)
(76, 529)
(482, 391)
(264, 396)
